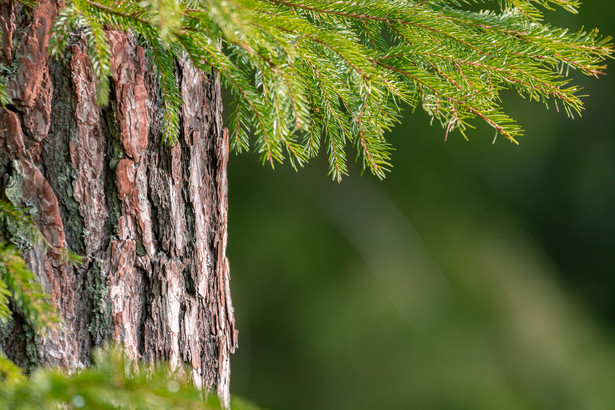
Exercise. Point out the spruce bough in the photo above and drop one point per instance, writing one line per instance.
(308, 75)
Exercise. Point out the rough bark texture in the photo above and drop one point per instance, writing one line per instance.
(150, 220)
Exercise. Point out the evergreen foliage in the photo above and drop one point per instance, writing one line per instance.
(113, 382)
(4, 98)
(16, 280)
(312, 73)
(19, 289)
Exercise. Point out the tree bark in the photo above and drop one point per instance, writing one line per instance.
(150, 220)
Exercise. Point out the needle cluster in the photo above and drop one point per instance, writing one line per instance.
(308, 75)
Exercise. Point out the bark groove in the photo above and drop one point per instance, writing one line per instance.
(150, 220)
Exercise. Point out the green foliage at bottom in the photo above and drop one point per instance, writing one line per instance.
(9, 371)
(114, 381)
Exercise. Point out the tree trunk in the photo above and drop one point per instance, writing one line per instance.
(150, 220)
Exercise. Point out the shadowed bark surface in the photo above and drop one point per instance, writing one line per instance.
(150, 220)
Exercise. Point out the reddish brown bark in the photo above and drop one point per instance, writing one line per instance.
(150, 220)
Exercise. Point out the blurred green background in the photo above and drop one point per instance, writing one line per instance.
(476, 276)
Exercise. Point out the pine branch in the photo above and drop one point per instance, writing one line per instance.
(17, 281)
(307, 73)
(4, 98)
(26, 293)
(9, 371)
(113, 382)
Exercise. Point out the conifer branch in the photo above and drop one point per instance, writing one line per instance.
(17, 281)
(303, 71)
(114, 381)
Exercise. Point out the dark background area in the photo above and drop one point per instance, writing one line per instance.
(476, 276)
